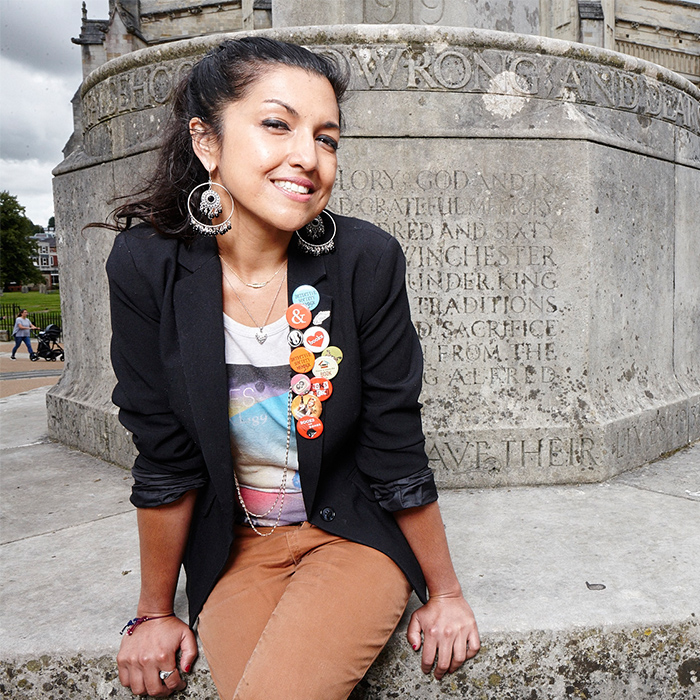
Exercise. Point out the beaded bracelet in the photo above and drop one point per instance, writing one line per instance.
(130, 626)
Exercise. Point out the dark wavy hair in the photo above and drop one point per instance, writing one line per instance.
(223, 76)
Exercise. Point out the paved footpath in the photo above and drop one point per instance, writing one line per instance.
(22, 374)
(580, 591)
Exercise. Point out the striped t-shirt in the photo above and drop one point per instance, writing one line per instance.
(258, 389)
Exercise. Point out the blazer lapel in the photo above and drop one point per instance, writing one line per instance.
(307, 269)
(200, 329)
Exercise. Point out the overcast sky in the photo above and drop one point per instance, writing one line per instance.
(40, 70)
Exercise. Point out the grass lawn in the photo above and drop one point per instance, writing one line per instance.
(33, 301)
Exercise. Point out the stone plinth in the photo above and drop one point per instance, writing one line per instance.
(543, 192)
(503, 15)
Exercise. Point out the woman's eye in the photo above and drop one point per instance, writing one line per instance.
(329, 142)
(275, 124)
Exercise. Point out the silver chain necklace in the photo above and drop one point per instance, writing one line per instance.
(282, 489)
(260, 336)
(252, 285)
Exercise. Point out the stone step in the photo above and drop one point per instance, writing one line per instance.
(580, 591)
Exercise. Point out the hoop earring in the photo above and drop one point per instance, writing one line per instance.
(315, 230)
(210, 207)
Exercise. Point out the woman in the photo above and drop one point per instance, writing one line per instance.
(293, 486)
(22, 328)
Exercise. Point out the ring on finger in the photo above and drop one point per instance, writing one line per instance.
(164, 675)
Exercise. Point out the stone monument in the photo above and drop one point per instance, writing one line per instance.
(544, 195)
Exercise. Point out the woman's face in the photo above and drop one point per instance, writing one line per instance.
(277, 155)
(24, 313)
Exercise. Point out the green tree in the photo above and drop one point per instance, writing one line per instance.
(16, 246)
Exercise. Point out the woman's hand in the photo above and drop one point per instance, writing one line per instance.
(449, 632)
(152, 648)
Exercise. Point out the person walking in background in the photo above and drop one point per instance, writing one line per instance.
(21, 331)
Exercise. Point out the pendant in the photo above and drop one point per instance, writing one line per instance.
(260, 336)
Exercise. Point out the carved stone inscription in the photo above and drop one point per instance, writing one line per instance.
(404, 11)
(144, 87)
(495, 72)
(484, 252)
(426, 68)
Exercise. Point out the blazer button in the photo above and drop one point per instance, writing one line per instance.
(328, 514)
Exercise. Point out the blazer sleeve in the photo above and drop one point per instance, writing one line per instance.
(391, 449)
(168, 463)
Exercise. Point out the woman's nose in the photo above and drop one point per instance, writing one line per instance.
(303, 152)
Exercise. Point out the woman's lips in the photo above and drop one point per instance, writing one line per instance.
(296, 189)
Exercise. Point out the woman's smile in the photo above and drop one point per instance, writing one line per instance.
(298, 189)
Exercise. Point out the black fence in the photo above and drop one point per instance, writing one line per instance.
(9, 312)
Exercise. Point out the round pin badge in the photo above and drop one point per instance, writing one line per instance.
(321, 387)
(295, 338)
(301, 360)
(335, 352)
(300, 384)
(298, 316)
(316, 339)
(306, 295)
(306, 405)
(309, 427)
(325, 367)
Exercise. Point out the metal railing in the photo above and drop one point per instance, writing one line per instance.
(9, 312)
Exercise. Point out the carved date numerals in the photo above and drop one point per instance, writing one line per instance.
(404, 11)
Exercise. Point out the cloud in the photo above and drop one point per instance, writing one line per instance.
(35, 112)
(40, 70)
(30, 182)
(37, 33)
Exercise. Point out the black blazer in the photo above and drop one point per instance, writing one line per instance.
(168, 356)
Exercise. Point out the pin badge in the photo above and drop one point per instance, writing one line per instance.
(300, 384)
(335, 352)
(316, 339)
(306, 295)
(325, 367)
(320, 317)
(320, 387)
(301, 360)
(298, 316)
(309, 427)
(306, 405)
(295, 338)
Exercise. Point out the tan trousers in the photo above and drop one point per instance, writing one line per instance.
(299, 615)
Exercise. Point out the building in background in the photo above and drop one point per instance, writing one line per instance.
(46, 258)
(666, 32)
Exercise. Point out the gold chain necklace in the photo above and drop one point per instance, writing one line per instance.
(260, 336)
(252, 285)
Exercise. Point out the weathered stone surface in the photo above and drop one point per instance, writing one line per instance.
(542, 193)
(659, 662)
(521, 17)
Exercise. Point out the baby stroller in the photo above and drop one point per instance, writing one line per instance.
(49, 348)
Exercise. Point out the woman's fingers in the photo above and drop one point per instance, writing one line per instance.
(450, 635)
(152, 650)
(473, 643)
(413, 633)
(188, 647)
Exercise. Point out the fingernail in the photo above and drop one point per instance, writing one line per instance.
(187, 668)
(415, 647)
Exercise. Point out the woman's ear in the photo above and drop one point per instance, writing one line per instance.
(204, 143)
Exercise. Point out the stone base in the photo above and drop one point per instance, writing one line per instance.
(550, 455)
(89, 427)
(655, 662)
